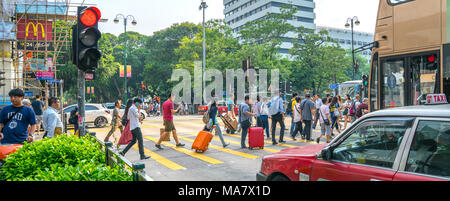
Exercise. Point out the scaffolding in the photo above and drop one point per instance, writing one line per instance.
(42, 44)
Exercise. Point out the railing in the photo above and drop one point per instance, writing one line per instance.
(113, 158)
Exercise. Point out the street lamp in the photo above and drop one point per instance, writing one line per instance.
(203, 7)
(350, 23)
(134, 22)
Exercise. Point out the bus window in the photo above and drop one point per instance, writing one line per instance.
(393, 83)
(446, 70)
(425, 70)
(374, 84)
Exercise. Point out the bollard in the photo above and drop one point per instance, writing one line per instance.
(138, 167)
(107, 153)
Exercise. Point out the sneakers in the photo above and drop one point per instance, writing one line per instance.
(318, 140)
(158, 146)
(225, 145)
(121, 153)
(145, 157)
(180, 145)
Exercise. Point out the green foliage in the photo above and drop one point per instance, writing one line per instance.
(63, 158)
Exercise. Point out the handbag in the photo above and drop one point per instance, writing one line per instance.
(126, 136)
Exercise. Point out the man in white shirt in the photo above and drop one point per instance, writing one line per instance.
(134, 115)
(324, 114)
(51, 121)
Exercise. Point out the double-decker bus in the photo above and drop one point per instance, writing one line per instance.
(352, 88)
(411, 53)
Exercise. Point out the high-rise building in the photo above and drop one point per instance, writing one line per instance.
(344, 38)
(239, 12)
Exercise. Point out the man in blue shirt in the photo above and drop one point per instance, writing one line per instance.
(244, 119)
(15, 119)
(277, 113)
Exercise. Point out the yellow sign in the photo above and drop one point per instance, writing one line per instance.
(35, 29)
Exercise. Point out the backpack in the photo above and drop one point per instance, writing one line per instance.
(73, 118)
(289, 107)
(275, 104)
(358, 112)
(352, 109)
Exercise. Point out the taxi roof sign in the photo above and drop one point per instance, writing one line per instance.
(436, 99)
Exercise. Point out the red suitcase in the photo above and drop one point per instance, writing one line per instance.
(256, 137)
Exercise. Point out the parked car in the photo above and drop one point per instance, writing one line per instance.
(95, 113)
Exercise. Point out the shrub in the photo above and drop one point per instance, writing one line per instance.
(63, 158)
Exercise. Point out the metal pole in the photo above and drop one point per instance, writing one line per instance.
(204, 52)
(125, 62)
(353, 52)
(61, 82)
(81, 99)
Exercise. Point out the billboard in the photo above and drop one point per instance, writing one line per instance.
(34, 30)
(122, 71)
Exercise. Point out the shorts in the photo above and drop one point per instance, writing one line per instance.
(324, 129)
(39, 119)
(169, 126)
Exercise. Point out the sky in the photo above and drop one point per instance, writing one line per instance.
(154, 15)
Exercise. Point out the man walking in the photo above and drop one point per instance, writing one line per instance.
(257, 111)
(115, 122)
(325, 121)
(244, 119)
(290, 107)
(51, 121)
(277, 114)
(168, 112)
(15, 119)
(319, 103)
(38, 106)
(133, 115)
(307, 111)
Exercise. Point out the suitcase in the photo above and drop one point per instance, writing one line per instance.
(161, 132)
(256, 137)
(202, 141)
(230, 123)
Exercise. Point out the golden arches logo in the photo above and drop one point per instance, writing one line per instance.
(35, 29)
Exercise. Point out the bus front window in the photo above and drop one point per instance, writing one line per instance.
(393, 83)
(425, 70)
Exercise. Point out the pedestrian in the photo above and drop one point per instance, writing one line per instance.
(325, 128)
(318, 104)
(307, 108)
(51, 121)
(362, 108)
(346, 105)
(115, 122)
(354, 106)
(256, 109)
(339, 100)
(297, 118)
(334, 113)
(134, 114)
(73, 119)
(38, 106)
(169, 126)
(277, 114)
(290, 108)
(265, 116)
(15, 119)
(126, 136)
(27, 103)
(214, 123)
(244, 119)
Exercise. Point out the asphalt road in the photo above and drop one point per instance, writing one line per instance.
(216, 164)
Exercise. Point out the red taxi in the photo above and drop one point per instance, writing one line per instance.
(221, 107)
(7, 149)
(398, 144)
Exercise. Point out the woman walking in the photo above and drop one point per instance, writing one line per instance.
(335, 113)
(347, 104)
(265, 116)
(213, 122)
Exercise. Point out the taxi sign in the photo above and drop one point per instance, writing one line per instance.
(436, 99)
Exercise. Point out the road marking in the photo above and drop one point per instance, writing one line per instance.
(249, 156)
(160, 159)
(187, 152)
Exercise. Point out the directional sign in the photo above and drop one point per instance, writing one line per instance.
(54, 81)
(333, 86)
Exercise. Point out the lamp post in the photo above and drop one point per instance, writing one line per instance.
(134, 22)
(203, 7)
(350, 23)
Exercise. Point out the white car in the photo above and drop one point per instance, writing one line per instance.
(95, 113)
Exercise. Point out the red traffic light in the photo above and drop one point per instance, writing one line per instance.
(90, 16)
(143, 86)
(432, 58)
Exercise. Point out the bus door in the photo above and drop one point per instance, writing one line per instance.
(425, 77)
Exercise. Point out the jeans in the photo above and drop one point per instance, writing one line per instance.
(277, 118)
(307, 129)
(265, 124)
(292, 125)
(137, 136)
(298, 128)
(259, 121)
(219, 131)
(245, 125)
(334, 123)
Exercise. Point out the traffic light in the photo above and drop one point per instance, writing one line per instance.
(2, 79)
(85, 36)
(365, 81)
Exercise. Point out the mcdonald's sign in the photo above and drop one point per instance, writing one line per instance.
(35, 30)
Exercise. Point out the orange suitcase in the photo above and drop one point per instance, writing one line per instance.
(202, 141)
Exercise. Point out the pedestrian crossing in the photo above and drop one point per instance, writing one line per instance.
(173, 158)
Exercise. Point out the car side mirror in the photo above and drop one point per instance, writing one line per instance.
(326, 153)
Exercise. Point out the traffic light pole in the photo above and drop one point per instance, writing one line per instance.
(81, 103)
(125, 60)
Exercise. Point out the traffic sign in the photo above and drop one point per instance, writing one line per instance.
(333, 86)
